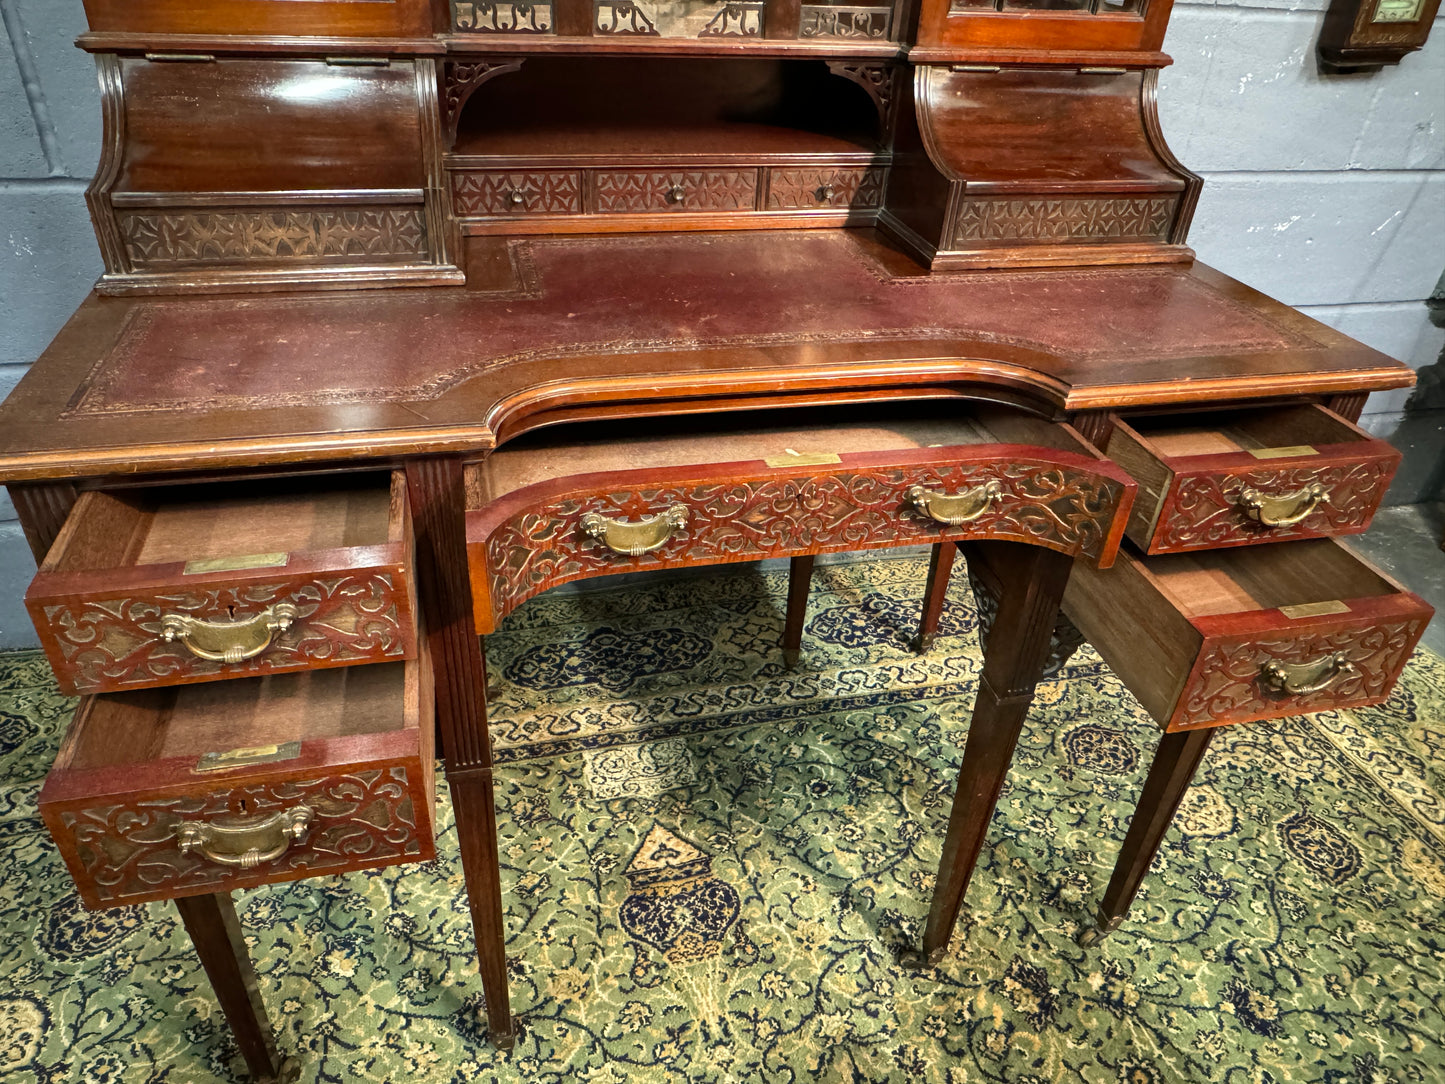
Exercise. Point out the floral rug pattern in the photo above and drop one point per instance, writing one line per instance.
(711, 863)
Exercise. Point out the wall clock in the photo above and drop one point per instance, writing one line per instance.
(1365, 35)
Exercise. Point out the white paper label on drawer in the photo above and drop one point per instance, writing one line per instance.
(235, 564)
(1314, 609)
(803, 459)
(1284, 452)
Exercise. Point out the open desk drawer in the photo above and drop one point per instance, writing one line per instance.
(589, 501)
(155, 587)
(209, 788)
(1225, 637)
(1234, 478)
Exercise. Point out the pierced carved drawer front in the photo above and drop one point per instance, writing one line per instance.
(684, 191)
(151, 800)
(554, 532)
(1211, 639)
(118, 607)
(1240, 478)
(530, 192)
(825, 189)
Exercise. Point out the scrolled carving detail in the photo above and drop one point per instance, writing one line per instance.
(133, 851)
(1066, 508)
(117, 643)
(1211, 508)
(1313, 670)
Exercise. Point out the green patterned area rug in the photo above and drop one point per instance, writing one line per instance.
(711, 863)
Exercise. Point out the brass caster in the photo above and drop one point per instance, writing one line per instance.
(922, 643)
(506, 1043)
(918, 960)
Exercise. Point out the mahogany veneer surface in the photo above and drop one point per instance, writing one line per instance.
(553, 328)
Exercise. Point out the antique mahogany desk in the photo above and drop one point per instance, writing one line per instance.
(412, 310)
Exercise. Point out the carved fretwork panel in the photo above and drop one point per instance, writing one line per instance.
(113, 643)
(621, 17)
(681, 191)
(459, 79)
(168, 239)
(834, 21)
(1064, 640)
(812, 189)
(494, 192)
(1204, 510)
(126, 851)
(1046, 220)
(1227, 684)
(735, 21)
(1066, 508)
(877, 79)
(502, 17)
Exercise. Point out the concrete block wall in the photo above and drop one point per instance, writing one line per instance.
(1326, 192)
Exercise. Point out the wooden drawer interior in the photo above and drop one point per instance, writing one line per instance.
(354, 745)
(162, 586)
(1193, 468)
(774, 437)
(225, 524)
(1189, 633)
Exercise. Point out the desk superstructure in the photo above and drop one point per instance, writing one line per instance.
(413, 309)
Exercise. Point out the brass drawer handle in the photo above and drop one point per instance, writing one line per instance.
(228, 641)
(1283, 511)
(1303, 678)
(634, 539)
(956, 509)
(825, 193)
(676, 194)
(246, 842)
(516, 197)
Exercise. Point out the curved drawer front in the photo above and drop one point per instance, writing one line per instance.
(1279, 670)
(551, 533)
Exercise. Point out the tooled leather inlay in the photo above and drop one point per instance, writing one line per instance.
(618, 296)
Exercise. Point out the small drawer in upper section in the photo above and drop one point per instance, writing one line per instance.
(1205, 639)
(568, 503)
(211, 788)
(164, 587)
(1240, 477)
(320, 18)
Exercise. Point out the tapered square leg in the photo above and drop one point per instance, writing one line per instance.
(940, 567)
(437, 495)
(1175, 762)
(216, 933)
(1032, 581)
(800, 578)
